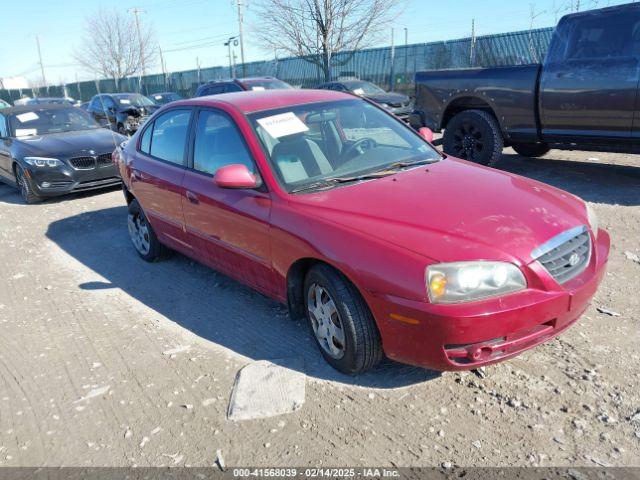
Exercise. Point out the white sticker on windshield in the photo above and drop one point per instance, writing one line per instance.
(27, 117)
(158, 97)
(258, 89)
(358, 91)
(125, 101)
(26, 132)
(283, 125)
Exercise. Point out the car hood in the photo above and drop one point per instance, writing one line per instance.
(452, 211)
(71, 144)
(389, 98)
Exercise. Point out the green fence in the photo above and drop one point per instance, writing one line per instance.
(375, 65)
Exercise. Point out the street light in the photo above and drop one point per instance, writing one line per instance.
(232, 41)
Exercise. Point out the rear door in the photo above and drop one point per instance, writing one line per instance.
(157, 171)
(590, 78)
(230, 228)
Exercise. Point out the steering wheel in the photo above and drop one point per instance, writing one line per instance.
(360, 146)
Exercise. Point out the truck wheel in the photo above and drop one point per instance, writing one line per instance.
(474, 135)
(532, 150)
(341, 322)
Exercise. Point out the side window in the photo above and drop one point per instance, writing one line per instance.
(3, 127)
(602, 37)
(218, 143)
(95, 104)
(169, 136)
(145, 141)
(232, 87)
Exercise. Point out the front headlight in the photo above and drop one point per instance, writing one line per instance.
(470, 281)
(594, 223)
(43, 162)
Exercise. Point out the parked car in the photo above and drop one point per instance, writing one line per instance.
(164, 98)
(582, 98)
(46, 100)
(397, 103)
(240, 85)
(326, 202)
(84, 106)
(121, 112)
(50, 150)
(4, 104)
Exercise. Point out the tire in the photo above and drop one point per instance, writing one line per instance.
(144, 239)
(532, 150)
(354, 334)
(23, 185)
(474, 135)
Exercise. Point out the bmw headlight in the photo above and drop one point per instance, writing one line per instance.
(470, 281)
(43, 162)
(594, 223)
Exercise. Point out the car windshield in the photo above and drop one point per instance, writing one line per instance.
(322, 145)
(133, 100)
(45, 121)
(364, 88)
(164, 98)
(267, 84)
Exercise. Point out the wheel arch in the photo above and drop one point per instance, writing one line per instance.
(467, 102)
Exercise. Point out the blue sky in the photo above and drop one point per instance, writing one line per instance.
(183, 25)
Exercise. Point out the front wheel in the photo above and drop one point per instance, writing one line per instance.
(532, 150)
(142, 236)
(474, 135)
(341, 322)
(22, 182)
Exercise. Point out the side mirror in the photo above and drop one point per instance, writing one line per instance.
(427, 134)
(235, 176)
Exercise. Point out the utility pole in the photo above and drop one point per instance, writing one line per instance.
(228, 44)
(136, 12)
(44, 79)
(162, 65)
(393, 61)
(406, 54)
(472, 55)
(240, 22)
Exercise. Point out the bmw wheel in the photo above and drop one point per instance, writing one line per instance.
(22, 182)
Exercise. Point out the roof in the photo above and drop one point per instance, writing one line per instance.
(34, 107)
(255, 101)
(234, 80)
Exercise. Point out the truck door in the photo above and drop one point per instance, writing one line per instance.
(590, 78)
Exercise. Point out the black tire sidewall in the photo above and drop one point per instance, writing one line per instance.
(155, 247)
(531, 150)
(30, 197)
(488, 126)
(352, 311)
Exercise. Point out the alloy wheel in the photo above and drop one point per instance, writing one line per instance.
(139, 233)
(326, 322)
(468, 142)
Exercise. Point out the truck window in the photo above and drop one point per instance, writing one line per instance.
(607, 36)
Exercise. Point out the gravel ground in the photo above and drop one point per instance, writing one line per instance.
(108, 361)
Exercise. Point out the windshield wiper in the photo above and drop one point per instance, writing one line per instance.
(406, 164)
(330, 182)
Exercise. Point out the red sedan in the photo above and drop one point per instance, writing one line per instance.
(331, 205)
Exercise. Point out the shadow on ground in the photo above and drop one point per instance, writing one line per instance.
(211, 305)
(592, 181)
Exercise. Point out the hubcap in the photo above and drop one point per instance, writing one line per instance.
(139, 233)
(468, 142)
(326, 322)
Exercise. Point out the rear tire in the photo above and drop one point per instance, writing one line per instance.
(341, 322)
(532, 150)
(23, 185)
(474, 135)
(142, 235)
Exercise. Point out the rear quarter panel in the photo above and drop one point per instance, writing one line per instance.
(511, 92)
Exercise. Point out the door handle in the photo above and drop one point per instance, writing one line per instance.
(192, 197)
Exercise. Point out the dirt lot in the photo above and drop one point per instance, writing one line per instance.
(87, 377)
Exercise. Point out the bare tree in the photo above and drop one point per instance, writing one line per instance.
(318, 29)
(112, 47)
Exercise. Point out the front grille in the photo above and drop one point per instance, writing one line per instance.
(567, 255)
(104, 160)
(83, 163)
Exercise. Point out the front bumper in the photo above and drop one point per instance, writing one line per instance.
(468, 336)
(50, 182)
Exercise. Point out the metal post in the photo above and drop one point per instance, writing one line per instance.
(472, 54)
(406, 55)
(393, 61)
(44, 79)
(240, 21)
(136, 11)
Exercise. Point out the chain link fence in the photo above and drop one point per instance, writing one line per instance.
(383, 66)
